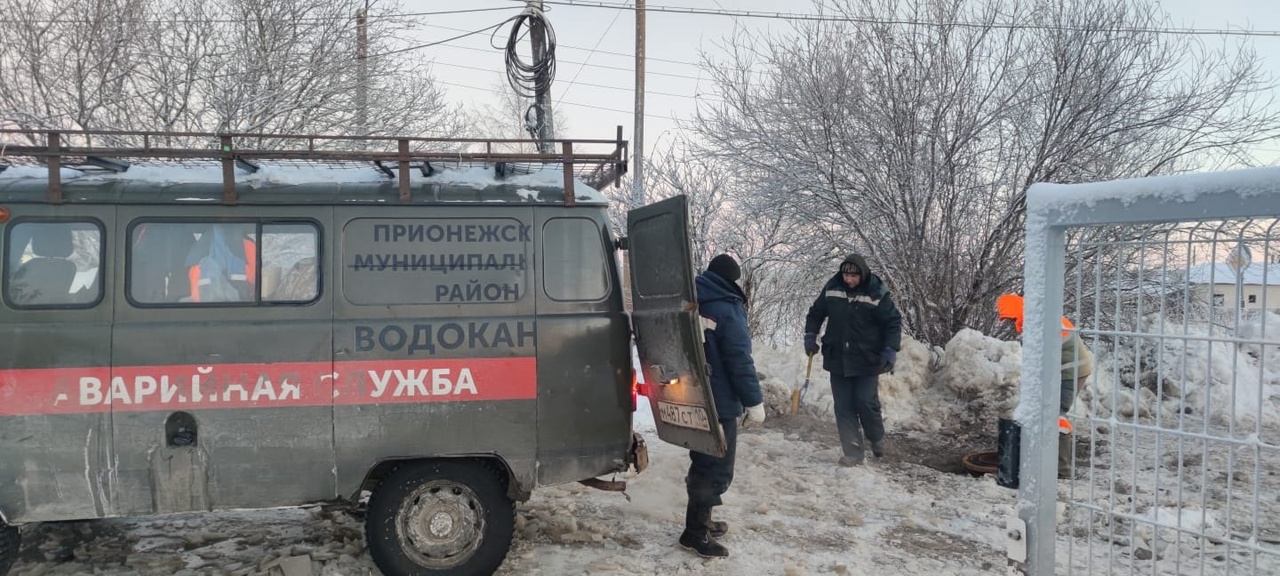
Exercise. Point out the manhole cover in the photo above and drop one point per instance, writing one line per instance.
(982, 462)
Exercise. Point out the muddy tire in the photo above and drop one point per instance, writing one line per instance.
(440, 518)
(9, 541)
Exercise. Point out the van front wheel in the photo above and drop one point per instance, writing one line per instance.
(440, 518)
(9, 541)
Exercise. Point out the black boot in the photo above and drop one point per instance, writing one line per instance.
(702, 543)
(697, 536)
(716, 528)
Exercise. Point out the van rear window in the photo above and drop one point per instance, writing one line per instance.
(200, 263)
(574, 264)
(53, 264)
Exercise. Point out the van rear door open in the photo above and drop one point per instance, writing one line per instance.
(668, 331)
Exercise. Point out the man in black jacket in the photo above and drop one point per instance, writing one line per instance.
(864, 334)
(736, 389)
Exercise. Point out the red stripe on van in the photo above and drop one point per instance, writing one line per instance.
(277, 385)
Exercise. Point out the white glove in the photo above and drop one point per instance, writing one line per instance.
(755, 415)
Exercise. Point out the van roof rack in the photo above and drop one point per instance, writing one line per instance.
(597, 163)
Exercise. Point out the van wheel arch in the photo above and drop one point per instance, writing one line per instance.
(446, 516)
(10, 543)
(382, 469)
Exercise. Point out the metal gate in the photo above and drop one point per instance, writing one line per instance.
(1174, 284)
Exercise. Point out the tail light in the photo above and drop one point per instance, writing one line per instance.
(638, 389)
(635, 392)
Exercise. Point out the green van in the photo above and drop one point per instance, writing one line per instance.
(219, 327)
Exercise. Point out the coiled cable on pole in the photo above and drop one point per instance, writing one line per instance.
(530, 79)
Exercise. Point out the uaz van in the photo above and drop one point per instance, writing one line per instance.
(218, 327)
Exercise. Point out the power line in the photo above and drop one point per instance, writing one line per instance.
(455, 84)
(868, 20)
(623, 54)
(335, 18)
(593, 106)
(793, 16)
(605, 66)
(439, 42)
(606, 87)
(590, 54)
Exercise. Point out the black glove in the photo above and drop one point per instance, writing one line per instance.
(888, 357)
(811, 343)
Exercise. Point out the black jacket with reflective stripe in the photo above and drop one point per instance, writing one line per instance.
(861, 323)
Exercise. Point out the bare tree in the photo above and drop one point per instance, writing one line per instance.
(911, 131)
(277, 66)
(726, 216)
(66, 64)
(511, 118)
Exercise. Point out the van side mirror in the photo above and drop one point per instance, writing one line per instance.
(623, 243)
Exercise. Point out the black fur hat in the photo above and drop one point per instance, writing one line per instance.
(726, 267)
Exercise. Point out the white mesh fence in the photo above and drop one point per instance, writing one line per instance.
(1175, 462)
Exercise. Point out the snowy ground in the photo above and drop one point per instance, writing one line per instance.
(792, 510)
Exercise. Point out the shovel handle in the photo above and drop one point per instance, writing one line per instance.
(795, 394)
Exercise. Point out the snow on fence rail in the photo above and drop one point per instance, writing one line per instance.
(1172, 282)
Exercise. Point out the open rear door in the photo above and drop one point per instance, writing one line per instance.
(668, 330)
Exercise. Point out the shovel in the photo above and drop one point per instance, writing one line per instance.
(798, 394)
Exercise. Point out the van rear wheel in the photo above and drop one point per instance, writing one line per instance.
(440, 518)
(10, 539)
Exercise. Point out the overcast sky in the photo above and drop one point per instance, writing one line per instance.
(594, 88)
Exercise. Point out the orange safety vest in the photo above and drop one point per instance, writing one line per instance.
(1076, 357)
(1009, 306)
(250, 269)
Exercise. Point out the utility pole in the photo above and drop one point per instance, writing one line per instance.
(362, 70)
(637, 171)
(542, 92)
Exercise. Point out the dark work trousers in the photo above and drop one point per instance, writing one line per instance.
(1070, 387)
(857, 400)
(708, 478)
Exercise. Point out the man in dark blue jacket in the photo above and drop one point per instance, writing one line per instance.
(736, 388)
(864, 334)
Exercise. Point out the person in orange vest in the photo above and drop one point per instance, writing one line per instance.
(223, 275)
(1077, 366)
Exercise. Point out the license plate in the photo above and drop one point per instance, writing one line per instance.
(684, 416)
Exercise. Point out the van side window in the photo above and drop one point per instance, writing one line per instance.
(575, 262)
(218, 262)
(53, 264)
(290, 263)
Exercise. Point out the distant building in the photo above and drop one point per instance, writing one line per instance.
(1216, 283)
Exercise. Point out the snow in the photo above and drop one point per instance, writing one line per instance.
(792, 510)
(470, 176)
(15, 172)
(1258, 274)
(1179, 188)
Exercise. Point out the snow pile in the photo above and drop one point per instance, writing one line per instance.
(1264, 332)
(976, 384)
(907, 401)
(983, 374)
(1192, 372)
